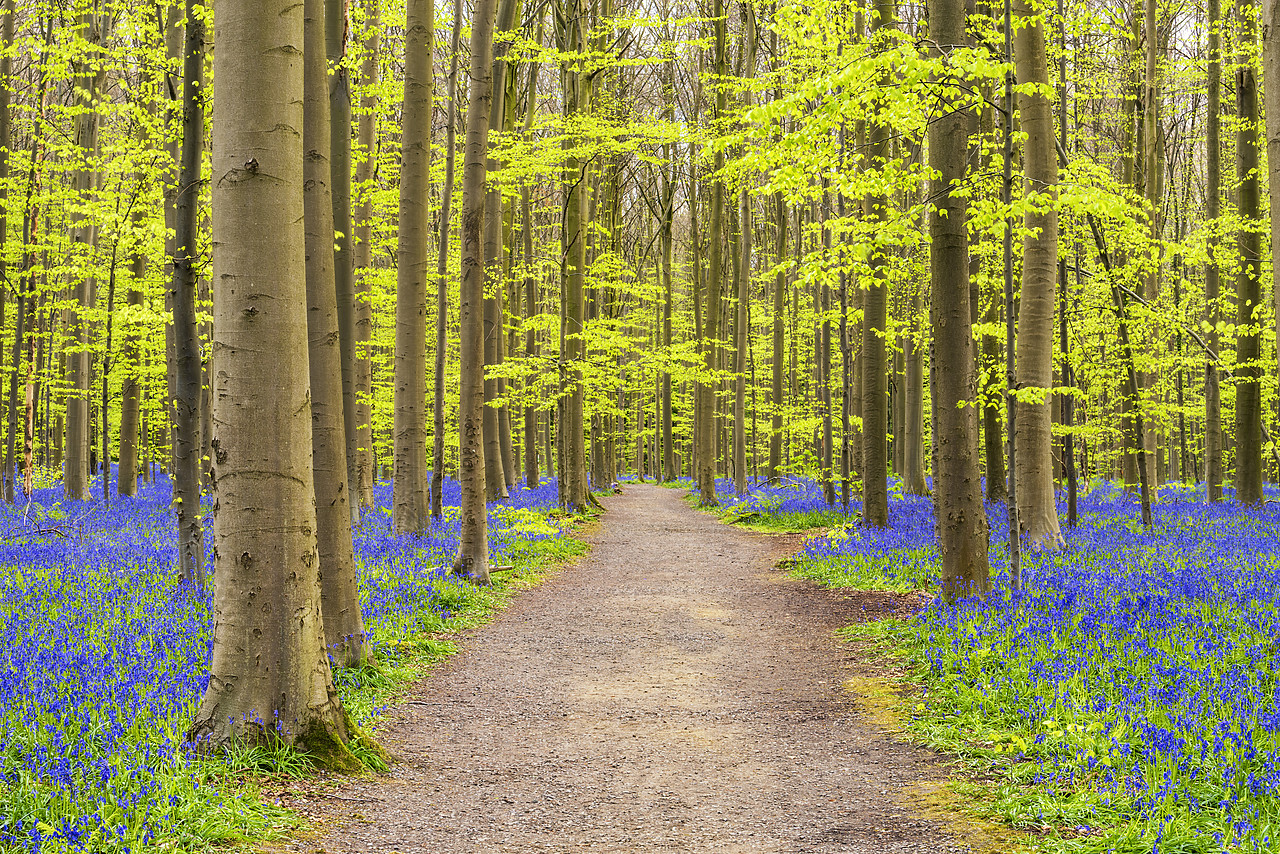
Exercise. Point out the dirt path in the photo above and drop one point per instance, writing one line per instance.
(670, 693)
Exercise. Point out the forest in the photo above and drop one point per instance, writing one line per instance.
(329, 327)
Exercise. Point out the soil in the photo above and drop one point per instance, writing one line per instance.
(673, 691)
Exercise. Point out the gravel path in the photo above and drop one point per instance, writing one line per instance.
(672, 692)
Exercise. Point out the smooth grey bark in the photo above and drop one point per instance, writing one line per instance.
(1213, 210)
(496, 477)
(269, 677)
(875, 476)
(706, 429)
(571, 33)
(472, 560)
(362, 254)
(344, 631)
(1248, 477)
(1037, 512)
(741, 337)
(182, 297)
(957, 492)
(779, 339)
(442, 263)
(409, 502)
(75, 476)
(912, 428)
(339, 88)
(1271, 110)
(7, 14)
(530, 286)
(131, 386)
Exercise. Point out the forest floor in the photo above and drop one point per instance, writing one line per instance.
(672, 691)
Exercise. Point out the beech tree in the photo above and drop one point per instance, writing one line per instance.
(269, 675)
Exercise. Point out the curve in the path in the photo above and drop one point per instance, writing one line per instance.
(669, 693)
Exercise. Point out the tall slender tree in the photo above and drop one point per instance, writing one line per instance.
(75, 478)
(362, 252)
(1037, 511)
(336, 29)
(409, 432)
(962, 519)
(343, 624)
(442, 264)
(182, 297)
(875, 390)
(1248, 479)
(472, 561)
(1213, 205)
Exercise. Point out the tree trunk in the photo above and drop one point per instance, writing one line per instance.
(442, 263)
(1213, 210)
(495, 474)
(1248, 479)
(875, 397)
(366, 169)
(572, 37)
(913, 478)
(339, 89)
(530, 289)
(741, 336)
(1034, 468)
(269, 677)
(84, 234)
(187, 356)
(409, 489)
(472, 561)
(957, 486)
(706, 444)
(131, 387)
(779, 340)
(7, 14)
(343, 625)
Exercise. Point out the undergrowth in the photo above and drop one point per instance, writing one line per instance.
(103, 661)
(1127, 702)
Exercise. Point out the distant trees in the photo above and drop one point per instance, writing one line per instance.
(699, 252)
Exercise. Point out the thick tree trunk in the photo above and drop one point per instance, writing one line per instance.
(75, 475)
(343, 625)
(1248, 479)
(409, 431)
(1213, 209)
(366, 169)
(875, 397)
(957, 488)
(269, 676)
(1034, 467)
(472, 561)
(182, 296)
